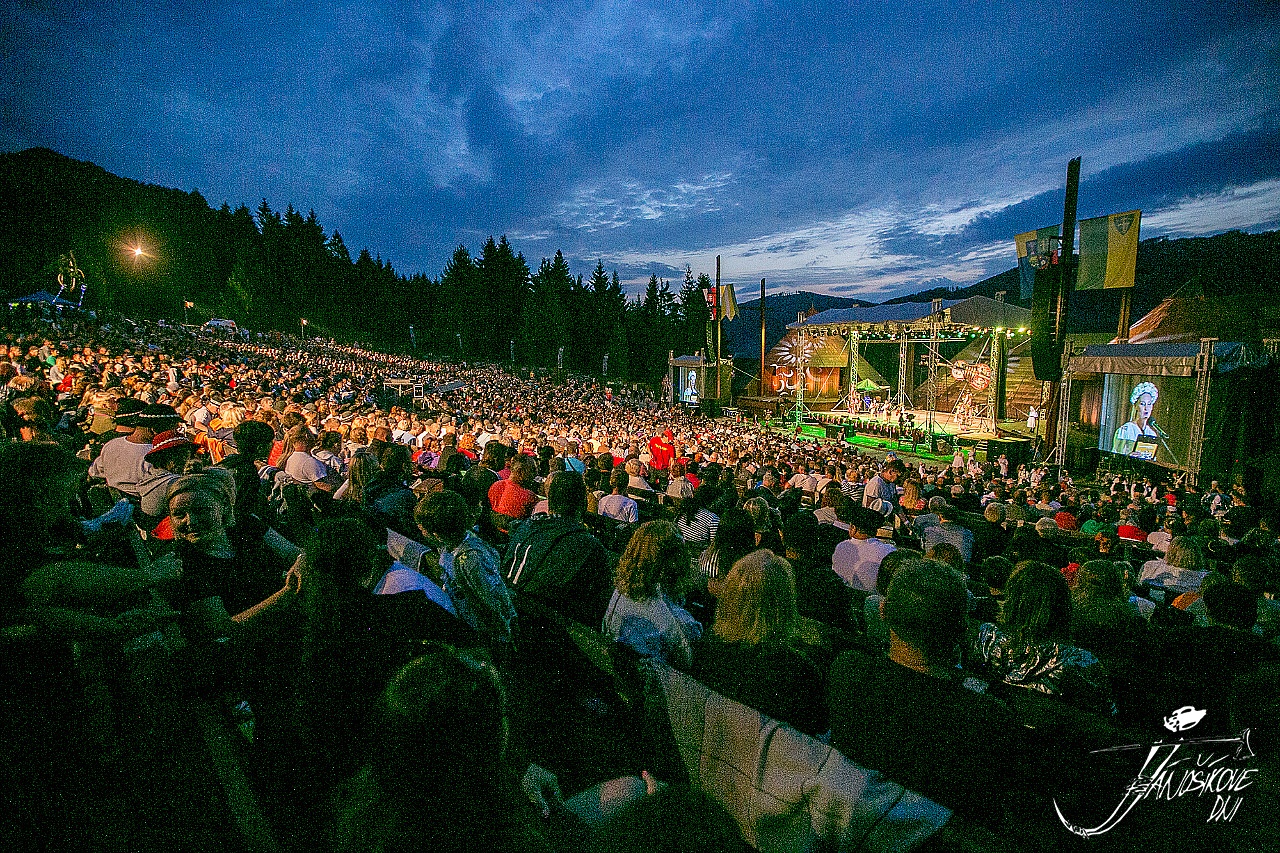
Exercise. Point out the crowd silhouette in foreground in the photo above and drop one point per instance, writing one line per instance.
(252, 599)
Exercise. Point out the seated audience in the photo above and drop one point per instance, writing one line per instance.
(912, 717)
(753, 652)
(643, 612)
(1031, 647)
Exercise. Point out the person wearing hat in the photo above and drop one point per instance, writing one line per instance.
(113, 414)
(857, 559)
(170, 452)
(218, 560)
(122, 461)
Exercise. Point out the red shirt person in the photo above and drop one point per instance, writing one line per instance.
(512, 497)
(662, 448)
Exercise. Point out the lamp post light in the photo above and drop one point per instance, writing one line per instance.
(187, 305)
(304, 328)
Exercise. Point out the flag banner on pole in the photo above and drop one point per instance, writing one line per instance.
(728, 302)
(1036, 249)
(1108, 251)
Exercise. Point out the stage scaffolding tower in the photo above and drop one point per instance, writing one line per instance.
(1204, 376)
(935, 319)
(800, 411)
(855, 335)
(998, 342)
(900, 398)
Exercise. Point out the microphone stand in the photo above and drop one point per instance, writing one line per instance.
(1162, 435)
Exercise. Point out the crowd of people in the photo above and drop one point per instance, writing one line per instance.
(365, 582)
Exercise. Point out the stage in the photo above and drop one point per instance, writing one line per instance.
(881, 433)
(945, 424)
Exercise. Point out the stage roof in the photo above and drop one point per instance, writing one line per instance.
(1160, 359)
(976, 311)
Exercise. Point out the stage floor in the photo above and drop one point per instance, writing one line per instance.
(944, 423)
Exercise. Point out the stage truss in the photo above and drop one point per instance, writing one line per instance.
(932, 330)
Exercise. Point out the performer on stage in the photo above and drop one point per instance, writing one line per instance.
(1141, 403)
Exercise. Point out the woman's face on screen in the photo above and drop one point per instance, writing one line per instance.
(1145, 405)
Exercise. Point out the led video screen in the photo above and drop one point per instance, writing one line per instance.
(1147, 417)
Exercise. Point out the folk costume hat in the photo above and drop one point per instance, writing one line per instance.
(1144, 388)
(166, 441)
(158, 417)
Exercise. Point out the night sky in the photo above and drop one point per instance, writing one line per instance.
(865, 149)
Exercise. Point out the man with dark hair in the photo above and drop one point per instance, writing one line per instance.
(480, 478)
(618, 505)
(881, 493)
(949, 530)
(555, 559)
(912, 717)
(857, 559)
(819, 593)
(248, 465)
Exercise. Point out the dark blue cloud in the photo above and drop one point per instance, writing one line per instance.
(1238, 160)
(656, 135)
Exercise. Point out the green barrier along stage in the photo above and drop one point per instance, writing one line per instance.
(869, 442)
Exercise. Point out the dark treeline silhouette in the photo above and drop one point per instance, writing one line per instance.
(269, 269)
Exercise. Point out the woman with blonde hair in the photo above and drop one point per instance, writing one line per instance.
(636, 475)
(643, 612)
(1181, 569)
(910, 500)
(753, 651)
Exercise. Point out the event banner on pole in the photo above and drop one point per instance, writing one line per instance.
(729, 301)
(1108, 251)
(1036, 250)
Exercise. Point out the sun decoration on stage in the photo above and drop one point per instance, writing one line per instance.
(795, 351)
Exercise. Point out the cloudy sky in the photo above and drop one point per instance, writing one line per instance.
(847, 147)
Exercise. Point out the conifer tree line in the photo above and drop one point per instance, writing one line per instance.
(268, 269)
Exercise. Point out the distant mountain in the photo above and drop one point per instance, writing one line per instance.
(1230, 264)
(742, 335)
(274, 267)
(1006, 281)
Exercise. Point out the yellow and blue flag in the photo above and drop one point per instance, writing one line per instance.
(1108, 251)
(1036, 249)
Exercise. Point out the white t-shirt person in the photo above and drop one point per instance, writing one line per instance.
(857, 561)
(305, 468)
(123, 464)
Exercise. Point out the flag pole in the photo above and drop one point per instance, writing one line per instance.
(762, 337)
(719, 316)
(1122, 331)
